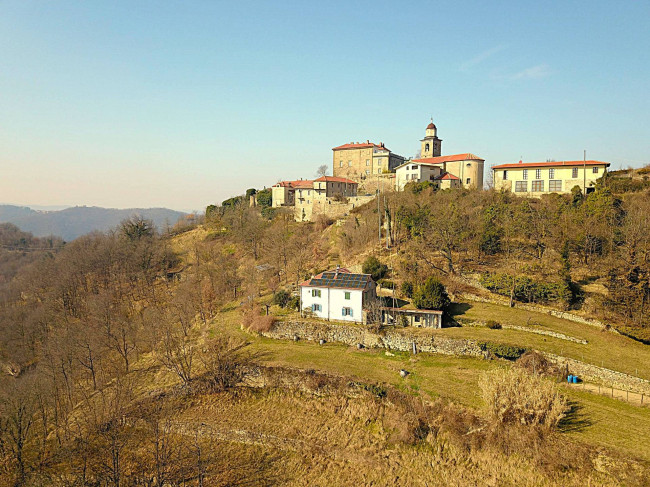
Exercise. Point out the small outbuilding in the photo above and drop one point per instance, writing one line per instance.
(421, 318)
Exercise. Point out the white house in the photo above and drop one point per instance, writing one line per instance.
(338, 295)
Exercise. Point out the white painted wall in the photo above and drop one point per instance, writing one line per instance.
(332, 301)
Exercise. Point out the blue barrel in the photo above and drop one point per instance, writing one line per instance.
(569, 379)
(574, 378)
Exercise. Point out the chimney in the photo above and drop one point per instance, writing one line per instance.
(336, 274)
(520, 161)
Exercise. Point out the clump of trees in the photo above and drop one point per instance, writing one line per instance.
(431, 294)
(375, 268)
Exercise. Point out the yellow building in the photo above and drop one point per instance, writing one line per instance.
(359, 161)
(537, 178)
(466, 168)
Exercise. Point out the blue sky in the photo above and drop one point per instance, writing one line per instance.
(183, 104)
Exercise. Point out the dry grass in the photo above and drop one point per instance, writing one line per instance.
(255, 322)
(512, 396)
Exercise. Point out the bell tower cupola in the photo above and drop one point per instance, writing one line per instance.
(431, 144)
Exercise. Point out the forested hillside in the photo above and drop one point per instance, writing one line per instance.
(71, 223)
(123, 362)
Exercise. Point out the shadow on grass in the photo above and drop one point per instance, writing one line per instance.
(391, 302)
(457, 309)
(575, 419)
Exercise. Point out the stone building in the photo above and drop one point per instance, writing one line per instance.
(328, 195)
(537, 178)
(360, 161)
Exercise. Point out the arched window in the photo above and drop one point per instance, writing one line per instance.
(426, 147)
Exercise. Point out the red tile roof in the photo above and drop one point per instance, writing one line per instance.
(447, 176)
(551, 164)
(333, 179)
(440, 159)
(299, 183)
(362, 145)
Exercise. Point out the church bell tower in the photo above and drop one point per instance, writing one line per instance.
(431, 144)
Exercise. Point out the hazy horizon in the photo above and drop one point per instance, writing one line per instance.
(123, 105)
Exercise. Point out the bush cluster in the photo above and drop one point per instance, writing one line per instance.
(508, 352)
(526, 290)
(493, 325)
(431, 295)
(375, 268)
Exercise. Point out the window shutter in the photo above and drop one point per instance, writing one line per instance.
(350, 310)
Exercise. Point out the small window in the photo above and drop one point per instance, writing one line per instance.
(469, 164)
(347, 295)
(367, 171)
(525, 174)
(467, 181)
(505, 175)
(414, 167)
(538, 174)
(426, 147)
(349, 163)
(417, 319)
(316, 307)
(347, 311)
(551, 173)
(595, 170)
(555, 185)
(538, 186)
(340, 163)
(315, 293)
(521, 186)
(367, 162)
(574, 172)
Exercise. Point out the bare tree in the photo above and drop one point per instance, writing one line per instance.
(322, 170)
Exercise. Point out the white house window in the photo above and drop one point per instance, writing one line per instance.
(555, 185)
(315, 293)
(505, 175)
(467, 181)
(574, 172)
(521, 186)
(347, 295)
(595, 170)
(551, 173)
(538, 186)
(316, 307)
(347, 311)
(525, 173)
(538, 174)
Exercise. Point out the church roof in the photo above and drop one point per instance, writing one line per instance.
(551, 164)
(431, 126)
(455, 157)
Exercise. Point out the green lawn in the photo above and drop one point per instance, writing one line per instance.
(604, 348)
(600, 420)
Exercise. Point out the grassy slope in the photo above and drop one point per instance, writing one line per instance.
(602, 421)
(603, 348)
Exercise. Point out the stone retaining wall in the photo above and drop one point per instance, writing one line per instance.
(535, 308)
(553, 334)
(403, 339)
(397, 339)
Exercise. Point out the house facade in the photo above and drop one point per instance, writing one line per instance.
(466, 169)
(360, 161)
(338, 295)
(538, 178)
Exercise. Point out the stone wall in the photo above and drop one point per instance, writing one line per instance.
(397, 339)
(534, 308)
(550, 333)
(403, 340)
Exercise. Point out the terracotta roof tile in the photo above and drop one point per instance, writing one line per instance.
(550, 164)
(440, 159)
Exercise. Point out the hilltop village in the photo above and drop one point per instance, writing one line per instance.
(363, 169)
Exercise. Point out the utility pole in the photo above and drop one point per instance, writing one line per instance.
(584, 173)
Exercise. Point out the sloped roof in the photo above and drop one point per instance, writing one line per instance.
(299, 183)
(447, 176)
(362, 145)
(550, 164)
(455, 157)
(339, 278)
(333, 179)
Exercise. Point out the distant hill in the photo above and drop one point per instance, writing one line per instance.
(71, 223)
